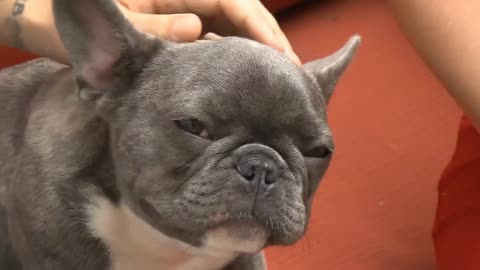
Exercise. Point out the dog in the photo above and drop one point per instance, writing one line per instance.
(148, 154)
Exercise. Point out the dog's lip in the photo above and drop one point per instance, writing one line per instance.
(248, 235)
(247, 219)
(241, 217)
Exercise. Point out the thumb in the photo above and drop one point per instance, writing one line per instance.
(176, 27)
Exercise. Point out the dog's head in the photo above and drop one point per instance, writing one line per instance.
(212, 136)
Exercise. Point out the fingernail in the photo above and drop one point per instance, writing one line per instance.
(211, 36)
(293, 56)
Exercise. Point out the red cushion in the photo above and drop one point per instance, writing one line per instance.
(12, 56)
(279, 5)
(457, 224)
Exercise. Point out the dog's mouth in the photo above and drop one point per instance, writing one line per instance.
(245, 235)
(241, 232)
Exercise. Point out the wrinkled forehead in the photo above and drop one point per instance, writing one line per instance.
(252, 94)
(243, 73)
(236, 80)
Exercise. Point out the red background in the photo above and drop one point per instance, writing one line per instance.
(395, 129)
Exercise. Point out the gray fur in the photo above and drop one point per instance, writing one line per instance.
(104, 127)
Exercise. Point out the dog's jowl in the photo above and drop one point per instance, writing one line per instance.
(147, 154)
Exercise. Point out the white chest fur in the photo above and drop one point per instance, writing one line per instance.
(135, 245)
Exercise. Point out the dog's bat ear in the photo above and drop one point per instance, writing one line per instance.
(103, 47)
(328, 70)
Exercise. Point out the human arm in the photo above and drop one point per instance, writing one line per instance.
(28, 25)
(445, 33)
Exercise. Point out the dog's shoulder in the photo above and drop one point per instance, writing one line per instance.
(18, 84)
(8, 260)
(19, 81)
(28, 73)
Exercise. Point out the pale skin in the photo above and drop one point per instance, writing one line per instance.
(445, 33)
(28, 24)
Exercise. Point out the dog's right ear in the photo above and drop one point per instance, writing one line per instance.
(106, 52)
(328, 70)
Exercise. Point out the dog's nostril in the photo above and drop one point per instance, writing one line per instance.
(270, 180)
(250, 176)
(246, 171)
(258, 169)
(248, 168)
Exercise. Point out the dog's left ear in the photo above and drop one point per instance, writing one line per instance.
(328, 70)
(105, 50)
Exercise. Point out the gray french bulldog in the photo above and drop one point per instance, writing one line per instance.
(148, 154)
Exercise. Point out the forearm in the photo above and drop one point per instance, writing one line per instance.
(9, 24)
(28, 25)
(445, 34)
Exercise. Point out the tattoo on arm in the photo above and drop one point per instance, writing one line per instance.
(13, 25)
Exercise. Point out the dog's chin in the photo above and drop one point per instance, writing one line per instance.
(243, 236)
(239, 235)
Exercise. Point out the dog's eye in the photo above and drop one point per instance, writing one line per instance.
(193, 126)
(319, 152)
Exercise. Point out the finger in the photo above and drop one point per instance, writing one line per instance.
(178, 27)
(276, 40)
(289, 50)
(259, 24)
(212, 36)
(280, 36)
(263, 33)
(252, 21)
(247, 16)
(137, 6)
(175, 27)
(244, 15)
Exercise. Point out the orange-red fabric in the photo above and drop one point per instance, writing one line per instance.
(279, 5)
(10, 56)
(457, 226)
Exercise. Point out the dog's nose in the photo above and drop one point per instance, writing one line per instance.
(259, 165)
(258, 170)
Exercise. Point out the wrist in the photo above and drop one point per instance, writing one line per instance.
(40, 33)
(6, 26)
(30, 27)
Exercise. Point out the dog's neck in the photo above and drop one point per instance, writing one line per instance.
(133, 244)
(58, 118)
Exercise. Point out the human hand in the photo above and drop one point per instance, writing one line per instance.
(31, 25)
(188, 20)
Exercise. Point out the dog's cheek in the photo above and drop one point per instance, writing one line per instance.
(202, 200)
(287, 211)
(316, 169)
(210, 191)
